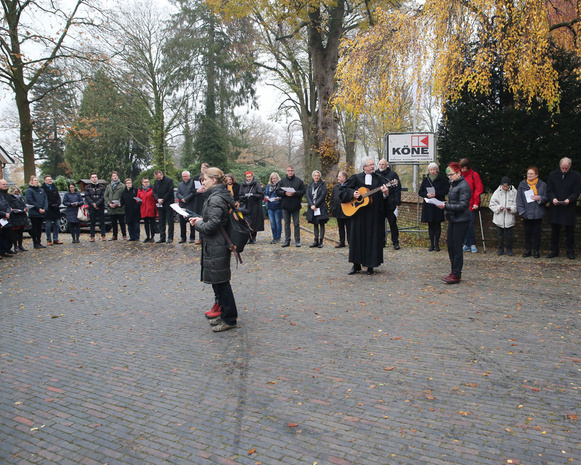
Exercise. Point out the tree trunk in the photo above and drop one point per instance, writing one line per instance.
(325, 56)
(23, 105)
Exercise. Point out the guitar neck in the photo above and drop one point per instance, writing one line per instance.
(377, 189)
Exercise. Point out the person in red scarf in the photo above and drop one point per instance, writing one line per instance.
(475, 183)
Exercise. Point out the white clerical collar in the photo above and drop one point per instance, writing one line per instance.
(368, 181)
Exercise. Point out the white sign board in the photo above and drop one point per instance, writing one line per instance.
(411, 147)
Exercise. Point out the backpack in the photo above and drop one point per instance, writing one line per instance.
(237, 233)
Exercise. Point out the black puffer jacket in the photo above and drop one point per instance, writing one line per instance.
(458, 204)
(95, 194)
(215, 252)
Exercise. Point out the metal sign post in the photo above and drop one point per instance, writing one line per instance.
(411, 148)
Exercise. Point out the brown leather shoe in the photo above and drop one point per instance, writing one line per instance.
(49, 243)
(57, 242)
(104, 238)
(92, 239)
(113, 238)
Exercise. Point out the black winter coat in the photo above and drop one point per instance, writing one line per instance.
(250, 198)
(320, 201)
(95, 194)
(132, 207)
(291, 203)
(561, 189)
(215, 253)
(186, 195)
(69, 199)
(54, 202)
(36, 197)
(18, 218)
(458, 204)
(394, 197)
(199, 198)
(431, 213)
(336, 209)
(163, 189)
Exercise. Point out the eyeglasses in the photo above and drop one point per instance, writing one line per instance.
(451, 175)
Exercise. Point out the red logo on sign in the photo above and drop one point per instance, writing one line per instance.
(420, 141)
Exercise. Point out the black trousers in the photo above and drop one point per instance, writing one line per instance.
(319, 230)
(504, 236)
(183, 229)
(435, 231)
(394, 231)
(286, 216)
(225, 297)
(569, 234)
(456, 233)
(149, 225)
(116, 221)
(165, 216)
(95, 215)
(532, 234)
(343, 225)
(36, 231)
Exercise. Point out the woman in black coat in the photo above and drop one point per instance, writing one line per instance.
(337, 211)
(250, 198)
(18, 217)
(73, 200)
(132, 209)
(458, 215)
(215, 252)
(438, 188)
(317, 213)
(38, 205)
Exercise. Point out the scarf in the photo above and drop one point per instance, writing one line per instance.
(114, 185)
(432, 177)
(533, 185)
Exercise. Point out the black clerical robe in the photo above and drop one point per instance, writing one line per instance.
(367, 225)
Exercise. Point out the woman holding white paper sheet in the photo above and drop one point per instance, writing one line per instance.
(531, 198)
(436, 186)
(317, 213)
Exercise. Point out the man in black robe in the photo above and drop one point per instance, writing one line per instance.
(367, 231)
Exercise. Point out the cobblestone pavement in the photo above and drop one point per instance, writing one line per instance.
(106, 358)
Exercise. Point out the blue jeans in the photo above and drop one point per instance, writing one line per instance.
(275, 217)
(470, 237)
(52, 229)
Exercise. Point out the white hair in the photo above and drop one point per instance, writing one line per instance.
(433, 165)
(313, 173)
(565, 160)
(366, 161)
(186, 172)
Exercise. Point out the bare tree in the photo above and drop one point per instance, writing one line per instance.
(29, 45)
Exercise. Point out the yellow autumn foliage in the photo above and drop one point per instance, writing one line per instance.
(450, 45)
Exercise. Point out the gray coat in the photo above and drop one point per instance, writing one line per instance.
(215, 252)
(532, 210)
(458, 204)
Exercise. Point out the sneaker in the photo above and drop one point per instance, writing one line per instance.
(222, 326)
(215, 311)
(215, 321)
(473, 249)
(297, 244)
(465, 248)
(452, 279)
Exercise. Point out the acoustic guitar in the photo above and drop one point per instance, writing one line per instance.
(351, 207)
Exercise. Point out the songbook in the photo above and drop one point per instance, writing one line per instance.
(434, 201)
